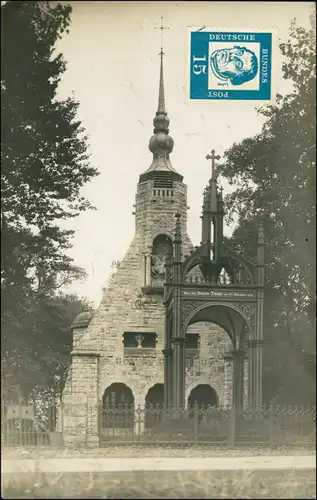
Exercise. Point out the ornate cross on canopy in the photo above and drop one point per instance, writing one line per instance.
(162, 28)
(212, 156)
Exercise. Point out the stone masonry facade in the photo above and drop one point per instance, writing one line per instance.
(98, 358)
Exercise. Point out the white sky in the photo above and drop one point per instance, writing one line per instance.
(113, 69)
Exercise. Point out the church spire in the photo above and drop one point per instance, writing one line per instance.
(161, 120)
(161, 143)
(161, 101)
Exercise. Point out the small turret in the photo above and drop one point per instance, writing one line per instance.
(79, 326)
(213, 212)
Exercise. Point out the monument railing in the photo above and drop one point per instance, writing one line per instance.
(154, 425)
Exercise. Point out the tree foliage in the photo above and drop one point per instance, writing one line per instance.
(43, 154)
(38, 340)
(274, 177)
(44, 165)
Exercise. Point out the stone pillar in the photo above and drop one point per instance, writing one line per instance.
(255, 372)
(144, 269)
(80, 407)
(148, 267)
(258, 354)
(250, 373)
(168, 377)
(178, 336)
(168, 351)
(238, 378)
(73, 415)
(257, 342)
(228, 379)
(179, 372)
(246, 382)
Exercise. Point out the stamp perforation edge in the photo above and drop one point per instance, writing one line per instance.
(274, 42)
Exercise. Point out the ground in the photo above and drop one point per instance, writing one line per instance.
(172, 484)
(221, 484)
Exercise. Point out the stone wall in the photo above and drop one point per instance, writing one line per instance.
(98, 355)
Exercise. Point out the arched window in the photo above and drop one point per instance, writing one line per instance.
(118, 394)
(117, 407)
(161, 244)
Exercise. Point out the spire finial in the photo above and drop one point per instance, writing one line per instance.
(162, 28)
(161, 143)
(212, 156)
(161, 101)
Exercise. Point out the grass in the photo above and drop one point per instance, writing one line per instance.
(220, 484)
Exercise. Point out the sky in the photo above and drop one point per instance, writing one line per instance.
(113, 71)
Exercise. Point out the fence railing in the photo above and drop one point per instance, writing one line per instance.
(155, 425)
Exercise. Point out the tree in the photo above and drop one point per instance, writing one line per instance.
(43, 154)
(44, 165)
(274, 174)
(36, 355)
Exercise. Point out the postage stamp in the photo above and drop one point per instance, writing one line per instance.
(230, 65)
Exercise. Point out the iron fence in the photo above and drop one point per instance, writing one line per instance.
(155, 425)
(207, 425)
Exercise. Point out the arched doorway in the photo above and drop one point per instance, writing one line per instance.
(155, 395)
(154, 401)
(117, 407)
(118, 394)
(236, 322)
(203, 395)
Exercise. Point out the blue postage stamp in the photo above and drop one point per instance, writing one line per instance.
(230, 65)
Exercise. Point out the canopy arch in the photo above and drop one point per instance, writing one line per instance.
(228, 316)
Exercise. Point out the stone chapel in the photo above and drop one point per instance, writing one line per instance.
(117, 351)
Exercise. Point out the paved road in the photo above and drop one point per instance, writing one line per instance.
(157, 464)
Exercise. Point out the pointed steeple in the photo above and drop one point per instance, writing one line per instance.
(161, 120)
(161, 143)
(161, 101)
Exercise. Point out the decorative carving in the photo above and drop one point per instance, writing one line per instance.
(248, 311)
(161, 245)
(158, 269)
(186, 308)
(163, 224)
(243, 276)
(139, 339)
(142, 301)
(128, 304)
(224, 278)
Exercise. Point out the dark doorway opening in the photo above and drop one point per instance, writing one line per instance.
(117, 407)
(203, 395)
(154, 402)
